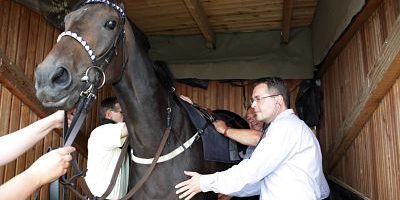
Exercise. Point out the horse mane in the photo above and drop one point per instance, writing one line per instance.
(140, 38)
(164, 74)
(161, 68)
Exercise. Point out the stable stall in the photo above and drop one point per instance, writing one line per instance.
(347, 51)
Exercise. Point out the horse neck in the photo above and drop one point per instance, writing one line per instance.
(143, 99)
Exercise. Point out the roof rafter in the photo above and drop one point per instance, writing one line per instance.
(287, 12)
(197, 11)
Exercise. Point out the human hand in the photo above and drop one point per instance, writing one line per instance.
(58, 118)
(220, 126)
(187, 99)
(190, 187)
(51, 165)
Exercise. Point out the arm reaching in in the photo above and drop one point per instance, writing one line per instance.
(47, 168)
(28, 136)
(124, 132)
(247, 137)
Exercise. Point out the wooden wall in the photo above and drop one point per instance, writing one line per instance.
(361, 103)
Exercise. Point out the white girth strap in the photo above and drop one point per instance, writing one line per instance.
(168, 156)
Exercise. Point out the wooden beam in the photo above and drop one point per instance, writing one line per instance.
(345, 191)
(384, 74)
(197, 11)
(287, 12)
(14, 79)
(358, 21)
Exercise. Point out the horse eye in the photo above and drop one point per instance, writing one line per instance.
(110, 24)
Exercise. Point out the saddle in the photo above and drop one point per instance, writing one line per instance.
(216, 147)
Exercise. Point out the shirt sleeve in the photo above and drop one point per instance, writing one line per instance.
(272, 151)
(109, 135)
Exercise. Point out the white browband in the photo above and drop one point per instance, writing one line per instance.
(81, 41)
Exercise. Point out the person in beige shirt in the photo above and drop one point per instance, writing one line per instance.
(104, 149)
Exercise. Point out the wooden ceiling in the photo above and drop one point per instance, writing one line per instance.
(195, 17)
(208, 17)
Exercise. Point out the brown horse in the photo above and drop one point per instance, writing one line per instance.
(98, 34)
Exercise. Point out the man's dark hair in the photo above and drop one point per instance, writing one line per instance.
(107, 104)
(277, 85)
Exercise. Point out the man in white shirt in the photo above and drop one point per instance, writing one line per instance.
(104, 148)
(286, 164)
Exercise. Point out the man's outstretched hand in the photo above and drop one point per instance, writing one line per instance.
(187, 189)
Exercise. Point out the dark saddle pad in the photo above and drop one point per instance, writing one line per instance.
(216, 147)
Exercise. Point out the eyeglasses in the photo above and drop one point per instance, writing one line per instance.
(258, 99)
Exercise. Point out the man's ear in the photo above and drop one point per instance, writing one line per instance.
(280, 100)
(108, 114)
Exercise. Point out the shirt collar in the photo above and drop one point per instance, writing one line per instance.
(283, 114)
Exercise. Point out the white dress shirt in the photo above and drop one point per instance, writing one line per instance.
(286, 164)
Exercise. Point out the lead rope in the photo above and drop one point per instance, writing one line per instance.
(69, 135)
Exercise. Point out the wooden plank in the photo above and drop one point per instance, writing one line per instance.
(287, 12)
(344, 190)
(12, 39)
(359, 20)
(197, 11)
(14, 79)
(383, 75)
(4, 17)
(31, 47)
(22, 36)
(5, 109)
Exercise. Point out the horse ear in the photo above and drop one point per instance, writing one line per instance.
(121, 4)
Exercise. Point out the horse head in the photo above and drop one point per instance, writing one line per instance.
(86, 54)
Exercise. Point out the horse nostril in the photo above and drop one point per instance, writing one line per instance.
(61, 77)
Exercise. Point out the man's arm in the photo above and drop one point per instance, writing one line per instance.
(124, 132)
(247, 137)
(268, 155)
